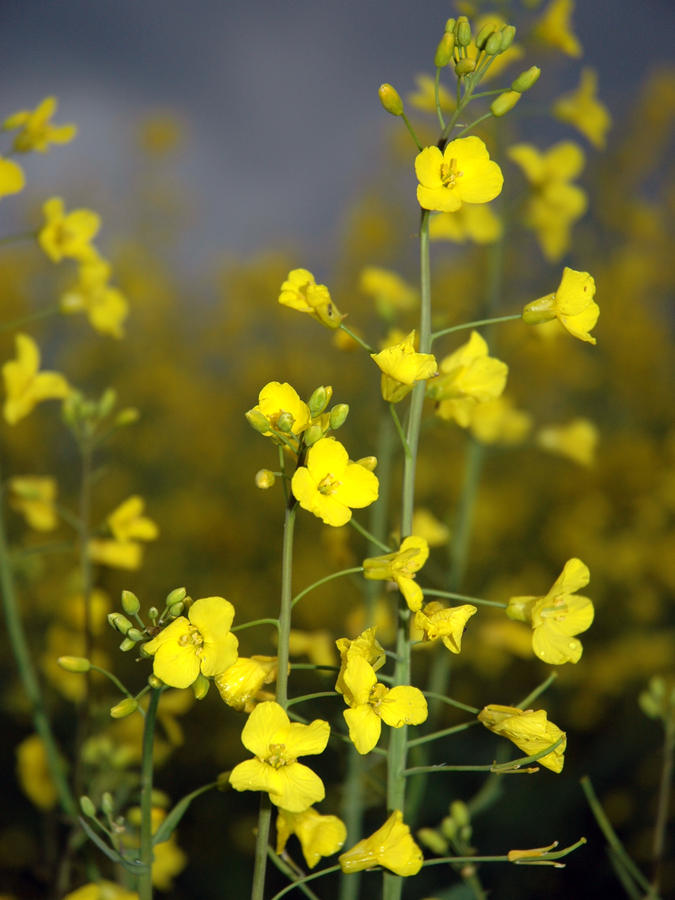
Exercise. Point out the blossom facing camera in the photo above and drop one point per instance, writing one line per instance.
(35, 130)
(529, 730)
(68, 234)
(572, 304)
(277, 401)
(300, 291)
(462, 173)
(447, 623)
(391, 846)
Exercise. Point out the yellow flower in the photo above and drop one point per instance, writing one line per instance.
(240, 684)
(391, 846)
(371, 703)
(300, 291)
(401, 367)
(497, 422)
(577, 440)
(424, 97)
(426, 525)
(389, 291)
(558, 616)
(101, 890)
(128, 523)
(318, 835)
(555, 28)
(584, 111)
(36, 130)
(276, 743)
(572, 304)
(12, 179)
(365, 646)
(68, 234)
(276, 400)
(330, 483)
(401, 567)
(202, 642)
(25, 385)
(462, 173)
(468, 223)
(33, 772)
(116, 554)
(447, 623)
(34, 498)
(105, 306)
(529, 730)
(467, 377)
(317, 645)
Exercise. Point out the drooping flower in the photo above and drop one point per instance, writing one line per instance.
(391, 846)
(277, 400)
(372, 703)
(529, 730)
(469, 223)
(577, 440)
(25, 385)
(462, 173)
(447, 623)
(300, 291)
(34, 497)
(467, 377)
(572, 304)
(558, 616)
(365, 646)
(36, 131)
(401, 567)
(202, 642)
(318, 835)
(105, 306)
(240, 684)
(12, 179)
(584, 111)
(330, 484)
(276, 743)
(401, 367)
(68, 234)
(554, 28)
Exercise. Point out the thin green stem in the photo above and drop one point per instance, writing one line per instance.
(368, 536)
(292, 874)
(451, 595)
(304, 880)
(427, 738)
(353, 571)
(439, 111)
(15, 238)
(473, 124)
(356, 338)
(261, 844)
(26, 320)
(451, 702)
(538, 691)
(399, 430)
(255, 622)
(86, 583)
(661, 823)
(304, 697)
(407, 124)
(115, 680)
(145, 878)
(477, 324)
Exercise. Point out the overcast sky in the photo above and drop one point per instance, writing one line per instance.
(280, 95)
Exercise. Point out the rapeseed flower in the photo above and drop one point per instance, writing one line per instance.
(318, 835)
(389, 291)
(330, 483)
(584, 111)
(25, 385)
(300, 291)
(128, 523)
(202, 642)
(554, 28)
(105, 306)
(462, 173)
(34, 497)
(498, 422)
(366, 646)
(529, 730)
(101, 890)
(427, 526)
(572, 304)
(240, 684)
(558, 616)
(391, 846)
(12, 179)
(276, 400)
(36, 131)
(577, 440)
(401, 567)
(68, 234)
(401, 367)
(33, 772)
(277, 743)
(447, 623)
(469, 223)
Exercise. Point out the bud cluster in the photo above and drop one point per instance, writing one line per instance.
(85, 417)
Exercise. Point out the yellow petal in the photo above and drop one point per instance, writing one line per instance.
(404, 705)
(364, 727)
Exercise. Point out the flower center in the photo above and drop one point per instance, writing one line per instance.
(276, 756)
(377, 695)
(193, 639)
(450, 173)
(328, 484)
(557, 609)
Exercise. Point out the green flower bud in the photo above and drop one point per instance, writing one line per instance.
(493, 45)
(465, 67)
(338, 415)
(508, 34)
(433, 841)
(444, 50)
(176, 609)
(130, 603)
(460, 813)
(87, 807)
(119, 622)
(107, 402)
(463, 31)
(127, 416)
(124, 708)
(450, 25)
(312, 435)
(264, 479)
(449, 828)
(155, 682)
(179, 593)
(134, 634)
(368, 462)
(257, 421)
(319, 400)
(526, 79)
(504, 103)
(483, 35)
(74, 663)
(390, 99)
(153, 614)
(127, 644)
(285, 422)
(107, 803)
(200, 687)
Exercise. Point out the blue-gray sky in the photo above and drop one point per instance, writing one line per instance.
(280, 95)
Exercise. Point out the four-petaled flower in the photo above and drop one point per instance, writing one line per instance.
(555, 27)
(277, 743)
(240, 684)
(529, 730)
(36, 130)
(366, 646)
(68, 234)
(401, 367)
(318, 835)
(391, 846)
(447, 623)
(25, 385)
(105, 306)
(558, 616)
(330, 483)
(300, 291)
(401, 567)
(584, 111)
(12, 179)
(281, 401)
(201, 643)
(462, 173)
(572, 305)
(34, 497)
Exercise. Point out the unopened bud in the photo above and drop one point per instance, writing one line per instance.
(153, 614)
(319, 400)
(124, 708)
(119, 622)
(285, 422)
(87, 807)
(127, 644)
(257, 421)
(450, 25)
(127, 416)
(179, 593)
(449, 828)
(74, 663)
(107, 803)
(107, 402)
(483, 35)
(368, 462)
(463, 31)
(134, 634)
(444, 50)
(176, 609)
(526, 79)
(338, 415)
(493, 45)
(465, 67)
(312, 435)
(264, 479)
(155, 682)
(390, 99)
(508, 34)
(130, 603)
(200, 687)
(504, 103)
(433, 841)
(460, 813)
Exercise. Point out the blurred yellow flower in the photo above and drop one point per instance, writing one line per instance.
(68, 234)
(318, 835)
(317, 645)
(25, 385)
(389, 291)
(202, 642)
(101, 890)
(447, 623)
(276, 743)
(401, 367)
(427, 526)
(467, 377)
(584, 111)
(240, 684)
(572, 304)
(497, 422)
(105, 306)
(116, 554)
(300, 291)
(391, 846)
(330, 483)
(128, 523)
(424, 97)
(33, 772)
(554, 28)
(462, 173)
(36, 130)
(401, 567)
(34, 498)
(276, 400)
(469, 223)
(529, 730)
(558, 616)
(577, 440)
(12, 179)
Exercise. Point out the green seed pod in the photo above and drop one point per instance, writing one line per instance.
(87, 807)
(74, 663)
(124, 708)
(526, 79)
(465, 67)
(390, 99)
(257, 421)
(508, 35)
(179, 593)
(130, 603)
(338, 415)
(444, 50)
(493, 45)
(312, 435)
(319, 400)
(483, 35)
(504, 103)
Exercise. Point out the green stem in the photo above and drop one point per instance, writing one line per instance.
(407, 124)
(399, 430)
(368, 536)
(145, 878)
(244, 625)
(26, 320)
(304, 697)
(261, 844)
(451, 595)
(115, 680)
(451, 702)
(439, 111)
(427, 738)
(15, 238)
(86, 579)
(304, 880)
(477, 324)
(356, 338)
(473, 124)
(538, 691)
(661, 822)
(316, 584)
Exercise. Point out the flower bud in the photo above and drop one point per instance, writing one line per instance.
(134, 634)
(444, 50)
(483, 35)
(107, 803)
(127, 416)
(87, 807)
(153, 614)
(74, 663)
(155, 682)
(127, 644)
(130, 603)
(264, 479)
(285, 422)
(176, 609)
(390, 99)
(107, 402)
(319, 400)
(526, 79)
(463, 31)
(124, 708)
(257, 421)
(465, 67)
(433, 841)
(504, 103)
(508, 34)
(368, 462)
(119, 622)
(493, 45)
(200, 687)
(312, 435)
(449, 828)
(338, 415)
(450, 25)
(460, 813)
(179, 593)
